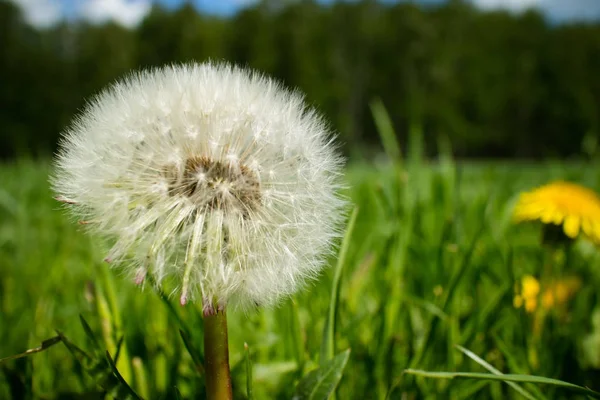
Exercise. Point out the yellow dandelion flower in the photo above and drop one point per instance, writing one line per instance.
(530, 286)
(531, 304)
(563, 290)
(548, 299)
(574, 207)
(530, 289)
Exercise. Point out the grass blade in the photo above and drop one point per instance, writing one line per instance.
(494, 371)
(124, 386)
(119, 346)
(101, 369)
(177, 393)
(320, 383)
(172, 310)
(197, 357)
(297, 336)
(517, 366)
(80, 355)
(111, 322)
(540, 380)
(248, 372)
(328, 344)
(90, 334)
(44, 346)
(141, 380)
(386, 131)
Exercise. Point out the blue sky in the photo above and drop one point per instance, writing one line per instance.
(129, 13)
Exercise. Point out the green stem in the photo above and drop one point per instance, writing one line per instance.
(216, 356)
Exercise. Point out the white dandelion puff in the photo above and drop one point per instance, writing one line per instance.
(208, 174)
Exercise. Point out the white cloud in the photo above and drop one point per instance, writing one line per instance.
(510, 4)
(557, 10)
(40, 13)
(573, 9)
(124, 12)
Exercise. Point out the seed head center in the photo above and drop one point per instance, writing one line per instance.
(215, 184)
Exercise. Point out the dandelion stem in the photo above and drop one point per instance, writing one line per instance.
(216, 353)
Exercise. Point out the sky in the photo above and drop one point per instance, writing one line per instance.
(129, 13)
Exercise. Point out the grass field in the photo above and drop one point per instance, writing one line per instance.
(432, 263)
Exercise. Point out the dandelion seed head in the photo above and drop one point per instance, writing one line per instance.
(207, 174)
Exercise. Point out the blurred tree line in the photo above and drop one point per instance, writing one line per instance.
(496, 84)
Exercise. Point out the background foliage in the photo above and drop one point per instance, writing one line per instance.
(496, 84)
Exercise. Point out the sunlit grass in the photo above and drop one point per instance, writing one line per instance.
(432, 262)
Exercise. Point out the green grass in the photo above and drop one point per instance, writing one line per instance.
(432, 263)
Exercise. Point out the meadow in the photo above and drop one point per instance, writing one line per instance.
(427, 281)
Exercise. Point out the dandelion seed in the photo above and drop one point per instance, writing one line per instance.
(209, 175)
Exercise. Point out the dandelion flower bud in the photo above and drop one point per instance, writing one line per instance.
(208, 175)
